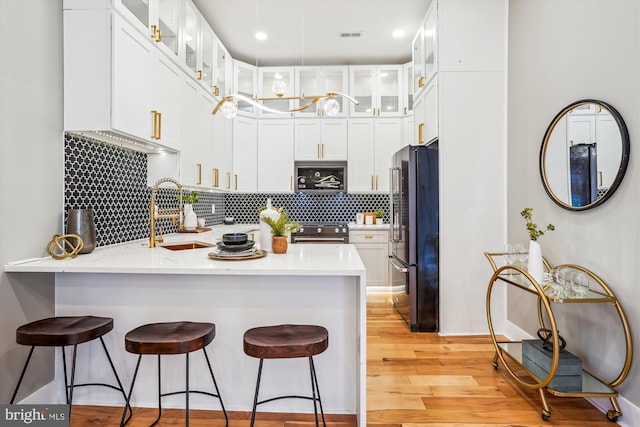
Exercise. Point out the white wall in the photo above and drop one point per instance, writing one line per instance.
(30, 173)
(559, 52)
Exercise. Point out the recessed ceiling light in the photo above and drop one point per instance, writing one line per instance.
(260, 36)
(397, 34)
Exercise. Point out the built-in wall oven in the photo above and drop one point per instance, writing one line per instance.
(321, 233)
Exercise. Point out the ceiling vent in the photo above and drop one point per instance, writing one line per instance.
(350, 35)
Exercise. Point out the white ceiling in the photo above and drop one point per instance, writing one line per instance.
(307, 32)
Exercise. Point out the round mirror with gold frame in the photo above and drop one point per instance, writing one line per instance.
(584, 154)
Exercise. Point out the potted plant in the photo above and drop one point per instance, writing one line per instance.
(190, 217)
(379, 215)
(279, 229)
(534, 263)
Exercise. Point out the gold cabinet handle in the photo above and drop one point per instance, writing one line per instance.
(236, 182)
(199, 165)
(420, 132)
(291, 182)
(379, 111)
(368, 236)
(406, 111)
(159, 38)
(319, 151)
(372, 182)
(199, 74)
(421, 81)
(323, 151)
(600, 176)
(156, 124)
(154, 31)
(376, 182)
(159, 125)
(215, 177)
(228, 180)
(216, 90)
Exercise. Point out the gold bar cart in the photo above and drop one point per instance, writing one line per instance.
(592, 386)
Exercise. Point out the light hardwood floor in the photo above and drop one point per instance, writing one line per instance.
(413, 380)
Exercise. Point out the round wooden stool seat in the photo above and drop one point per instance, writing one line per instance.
(169, 337)
(285, 341)
(63, 331)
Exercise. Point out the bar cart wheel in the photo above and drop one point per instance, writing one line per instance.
(545, 416)
(613, 415)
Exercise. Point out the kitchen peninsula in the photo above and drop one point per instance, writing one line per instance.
(321, 284)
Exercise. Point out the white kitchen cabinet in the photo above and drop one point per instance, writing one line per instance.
(205, 58)
(311, 81)
(222, 67)
(132, 90)
(378, 89)
(275, 155)
(372, 246)
(245, 82)
(244, 176)
(274, 82)
(407, 85)
(324, 139)
(424, 50)
(222, 150)
(190, 166)
(372, 142)
(156, 19)
(426, 114)
(204, 139)
(191, 39)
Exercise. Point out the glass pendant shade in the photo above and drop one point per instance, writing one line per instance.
(229, 109)
(279, 87)
(331, 107)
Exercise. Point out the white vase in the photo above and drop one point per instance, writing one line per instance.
(534, 265)
(190, 217)
(266, 238)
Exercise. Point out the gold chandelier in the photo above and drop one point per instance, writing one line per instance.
(228, 104)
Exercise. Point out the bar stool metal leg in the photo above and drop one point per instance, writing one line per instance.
(15, 392)
(215, 384)
(255, 399)
(128, 400)
(314, 386)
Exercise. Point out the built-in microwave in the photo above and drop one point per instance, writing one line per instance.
(321, 177)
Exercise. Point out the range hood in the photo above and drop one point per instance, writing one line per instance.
(120, 139)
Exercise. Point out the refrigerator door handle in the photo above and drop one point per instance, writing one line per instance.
(396, 204)
(400, 268)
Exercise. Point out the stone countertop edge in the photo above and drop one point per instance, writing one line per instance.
(135, 257)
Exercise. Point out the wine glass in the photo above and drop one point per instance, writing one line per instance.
(509, 254)
(579, 283)
(521, 254)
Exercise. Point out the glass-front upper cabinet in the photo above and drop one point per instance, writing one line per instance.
(417, 56)
(314, 81)
(377, 89)
(222, 64)
(168, 24)
(430, 30)
(206, 68)
(425, 51)
(245, 81)
(407, 95)
(190, 38)
(157, 18)
(276, 83)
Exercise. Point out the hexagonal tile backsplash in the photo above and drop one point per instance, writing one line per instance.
(112, 181)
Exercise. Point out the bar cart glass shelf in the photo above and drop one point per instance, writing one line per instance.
(592, 386)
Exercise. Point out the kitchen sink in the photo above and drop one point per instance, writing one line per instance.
(186, 245)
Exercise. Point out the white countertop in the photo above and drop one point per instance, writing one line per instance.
(137, 258)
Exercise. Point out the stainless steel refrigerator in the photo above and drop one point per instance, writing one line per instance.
(414, 235)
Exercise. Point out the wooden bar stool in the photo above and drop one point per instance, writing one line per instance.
(283, 342)
(65, 331)
(172, 338)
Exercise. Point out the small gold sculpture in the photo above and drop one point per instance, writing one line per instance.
(68, 246)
